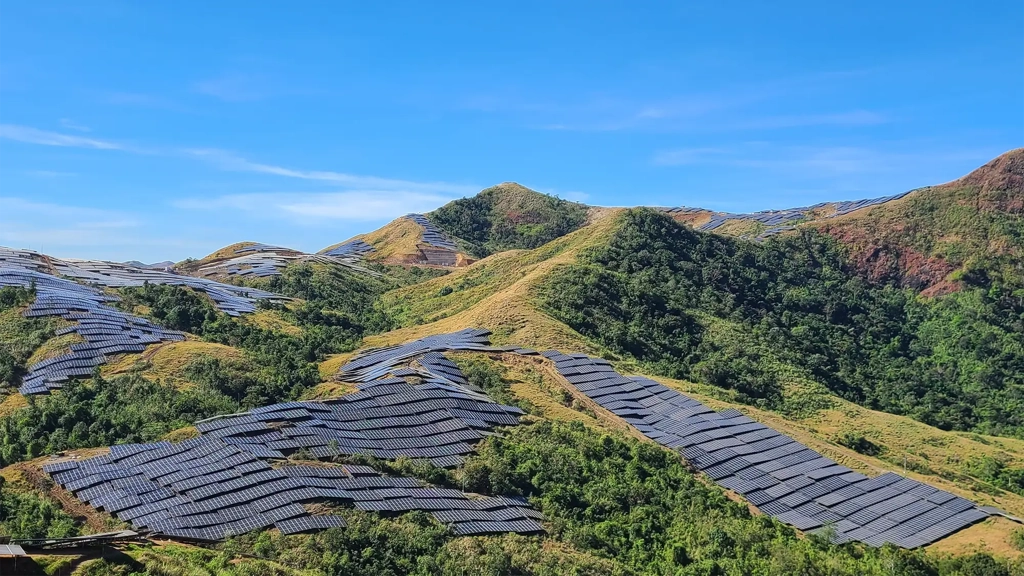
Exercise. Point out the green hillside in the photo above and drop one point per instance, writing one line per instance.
(828, 333)
(967, 233)
(508, 216)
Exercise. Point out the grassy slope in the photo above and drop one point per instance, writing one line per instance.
(395, 243)
(495, 293)
(167, 361)
(498, 293)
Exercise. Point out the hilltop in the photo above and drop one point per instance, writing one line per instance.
(508, 216)
(884, 335)
(939, 238)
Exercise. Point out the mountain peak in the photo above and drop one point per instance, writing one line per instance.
(999, 184)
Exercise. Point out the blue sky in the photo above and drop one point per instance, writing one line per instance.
(160, 130)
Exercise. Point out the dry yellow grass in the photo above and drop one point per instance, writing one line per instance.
(497, 293)
(272, 320)
(333, 363)
(186, 433)
(229, 251)
(992, 536)
(744, 228)
(11, 403)
(167, 361)
(56, 346)
(396, 241)
(326, 390)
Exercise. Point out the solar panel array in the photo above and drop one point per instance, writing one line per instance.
(778, 221)
(432, 235)
(106, 331)
(355, 249)
(784, 478)
(412, 402)
(779, 475)
(206, 489)
(264, 261)
(232, 300)
(378, 362)
(425, 410)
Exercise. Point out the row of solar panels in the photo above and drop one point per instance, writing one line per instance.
(412, 391)
(784, 478)
(106, 331)
(262, 260)
(432, 235)
(781, 220)
(779, 475)
(427, 412)
(220, 484)
(232, 300)
(353, 249)
(206, 489)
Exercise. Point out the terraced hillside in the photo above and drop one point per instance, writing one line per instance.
(728, 401)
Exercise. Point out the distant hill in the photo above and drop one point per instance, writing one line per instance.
(155, 266)
(884, 334)
(255, 262)
(937, 238)
(503, 217)
(508, 216)
(409, 240)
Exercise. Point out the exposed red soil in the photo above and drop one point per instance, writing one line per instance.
(880, 260)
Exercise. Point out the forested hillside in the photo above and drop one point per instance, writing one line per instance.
(755, 316)
(508, 216)
(969, 232)
(887, 338)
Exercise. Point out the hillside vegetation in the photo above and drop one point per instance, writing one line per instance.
(882, 349)
(967, 233)
(506, 217)
(756, 317)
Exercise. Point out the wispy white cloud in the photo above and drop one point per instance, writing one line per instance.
(49, 174)
(306, 207)
(229, 161)
(46, 138)
(29, 224)
(65, 230)
(817, 161)
(851, 118)
(18, 209)
(757, 105)
(72, 125)
(233, 87)
(683, 156)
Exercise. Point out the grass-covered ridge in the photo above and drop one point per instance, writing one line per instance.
(757, 317)
(508, 216)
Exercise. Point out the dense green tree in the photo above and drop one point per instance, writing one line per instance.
(747, 316)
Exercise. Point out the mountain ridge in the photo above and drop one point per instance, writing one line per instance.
(874, 373)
